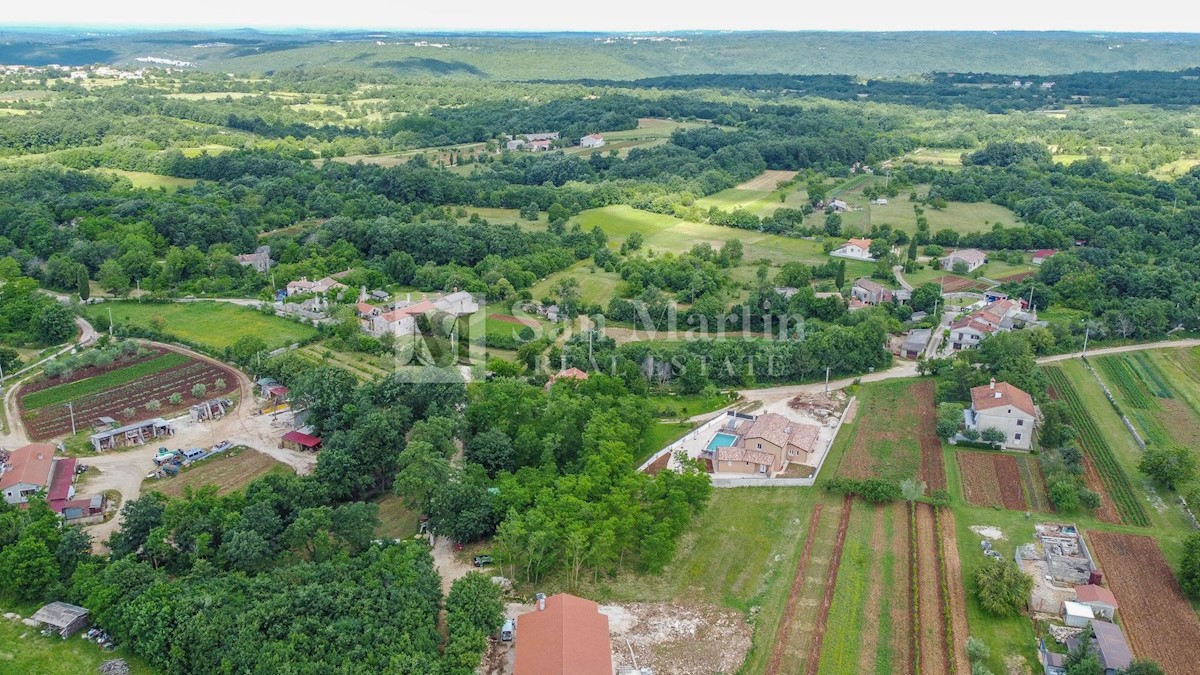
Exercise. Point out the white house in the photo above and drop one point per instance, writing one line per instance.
(591, 141)
(973, 258)
(303, 285)
(403, 319)
(857, 249)
(1007, 408)
(26, 472)
(966, 333)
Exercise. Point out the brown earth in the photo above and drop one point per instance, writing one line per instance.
(1158, 619)
(932, 623)
(933, 464)
(513, 320)
(789, 611)
(835, 560)
(228, 471)
(1008, 477)
(959, 284)
(956, 592)
(979, 478)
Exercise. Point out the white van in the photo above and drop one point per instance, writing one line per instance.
(508, 632)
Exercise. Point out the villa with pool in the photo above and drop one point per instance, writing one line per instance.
(766, 446)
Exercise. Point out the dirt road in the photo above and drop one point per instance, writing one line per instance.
(450, 568)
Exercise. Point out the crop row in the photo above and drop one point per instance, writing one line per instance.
(1035, 489)
(105, 381)
(1117, 370)
(944, 585)
(1152, 375)
(1116, 483)
(914, 588)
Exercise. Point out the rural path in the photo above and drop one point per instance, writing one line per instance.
(898, 271)
(771, 395)
(15, 436)
(448, 567)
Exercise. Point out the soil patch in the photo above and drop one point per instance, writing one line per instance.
(678, 639)
(789, 611)
(835, 560)
(932, 616)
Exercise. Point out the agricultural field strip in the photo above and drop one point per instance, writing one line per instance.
(1116, 483)
(102, 382)
(156, 387)
(1159, 621)
(931, 613)
(794, 592)
(812, 664)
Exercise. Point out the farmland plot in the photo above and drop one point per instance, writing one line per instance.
(134, 394)
(882, 444)
(992, 479)
(1158, 620)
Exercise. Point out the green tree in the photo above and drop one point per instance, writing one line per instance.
(1169, 466)
(1141, 667)
(492, 449)
(82, 284)
(462, 509)
(1189, 566)
(949, 419)
(530, 211)
(10, 361)
(840, 279)
(245, 350)
(926, 296)
(113, 278)
(475, 603)
(54, 324)
(199, 390)
(833, 225)
(993, 435)
(29, 569)
(1002, 589)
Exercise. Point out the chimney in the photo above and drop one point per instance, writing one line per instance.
(993, 384)
(541, 602)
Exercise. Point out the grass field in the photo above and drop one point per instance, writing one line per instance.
(365, 367)
(396, 521)
(939, 156)
(230, 470)
(151, 181)
(661, 435)
(24, 650)
(213, 324)
(113, 378)
(961, 217)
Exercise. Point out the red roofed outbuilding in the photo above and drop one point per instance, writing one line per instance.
(298, 440)
(568, 637)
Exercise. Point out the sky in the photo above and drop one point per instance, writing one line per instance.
(613, 15)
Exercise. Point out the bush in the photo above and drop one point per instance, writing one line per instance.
(874, 490)
(993, 435)
(1002, 589)
(1168, 466)
(220, 384)
(176, 398)
(199, 390)
(977, 650)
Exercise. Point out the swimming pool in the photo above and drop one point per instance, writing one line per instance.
(721, 441)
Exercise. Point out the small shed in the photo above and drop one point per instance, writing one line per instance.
(1077, 615)
(298, 440)
(64, 618)
(1100, 599)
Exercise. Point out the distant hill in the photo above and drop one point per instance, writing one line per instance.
(562, 56)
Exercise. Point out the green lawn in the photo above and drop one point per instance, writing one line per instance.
(24, 650)
(396, 520)
(141, 179)
(660, 436)
(595, 285)
(685, 406)
(961, 217)
(213, 324)
(113, 378)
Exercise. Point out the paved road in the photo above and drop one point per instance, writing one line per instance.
(909, 369)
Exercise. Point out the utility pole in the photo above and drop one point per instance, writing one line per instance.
(110, 321)
(1086, 329)
(827, 380)
(71, 407)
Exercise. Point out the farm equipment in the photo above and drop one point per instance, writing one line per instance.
(171, 469)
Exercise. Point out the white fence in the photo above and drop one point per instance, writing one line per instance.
(714, 422)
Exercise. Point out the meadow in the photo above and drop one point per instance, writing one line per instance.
(215, 325)
(25, 650)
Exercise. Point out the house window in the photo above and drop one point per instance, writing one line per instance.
(1020, 423)
(1017, 436)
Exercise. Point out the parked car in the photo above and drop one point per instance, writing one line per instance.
(483, 560)
(193, 453)
(165, 456)
(509, 630)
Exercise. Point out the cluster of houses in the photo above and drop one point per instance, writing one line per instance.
(999, 314)
(400, 317)
(75, 72)
(33, 469)
(540, 142)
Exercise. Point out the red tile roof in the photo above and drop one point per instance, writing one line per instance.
(861, 243)
(302, 438)
(60, 484)
(569, 637)
(1093, 593)
(1002, 396)
(1044, 253)
(30, 464)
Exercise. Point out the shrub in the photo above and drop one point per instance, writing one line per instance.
(220, 384)
(153, 405)
(993, 435)
(199, 390)
(128, 413)
(1002, 589)
(977, 650)
(176, 398)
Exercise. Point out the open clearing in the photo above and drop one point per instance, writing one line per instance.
(1159, 622)
(212, 324)
(961, 217)
(229, 471)
(150, 181)
(767, 180)
(24, 650)
(881, 441)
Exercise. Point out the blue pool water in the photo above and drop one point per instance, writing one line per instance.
(721, 441)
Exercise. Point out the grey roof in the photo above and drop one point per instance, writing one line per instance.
(59, 614)
(917, 337)
(157, 422)
(1111, 644)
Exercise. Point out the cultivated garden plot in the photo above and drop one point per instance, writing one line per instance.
(883, 444)
(129, 394)
(1159, 622)
(1002, 480)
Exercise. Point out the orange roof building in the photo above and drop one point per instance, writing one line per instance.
(28, 472)
(1002, 395)
(568, 637)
